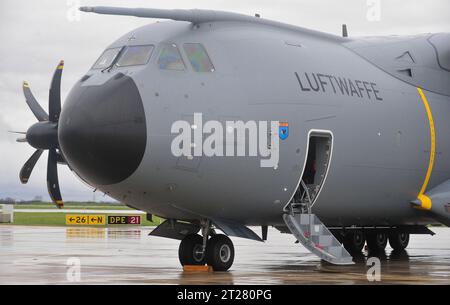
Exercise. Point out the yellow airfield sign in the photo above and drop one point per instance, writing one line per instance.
(86, 219)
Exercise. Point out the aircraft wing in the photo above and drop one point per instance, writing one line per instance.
(197, 16)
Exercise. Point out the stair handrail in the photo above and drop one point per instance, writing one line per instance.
(308, 202)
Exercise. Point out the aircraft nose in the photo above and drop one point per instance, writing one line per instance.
(102, 130)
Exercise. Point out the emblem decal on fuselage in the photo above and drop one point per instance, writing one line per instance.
(284, 130)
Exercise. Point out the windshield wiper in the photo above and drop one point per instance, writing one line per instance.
(116, 59)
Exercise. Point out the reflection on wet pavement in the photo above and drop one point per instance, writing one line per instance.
(38, 255)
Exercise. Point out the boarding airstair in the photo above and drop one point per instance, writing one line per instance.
(312, 233)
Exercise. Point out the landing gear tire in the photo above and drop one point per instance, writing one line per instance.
(354, 241)
(376, 242)
(220, 252)
(191, 251)
(399, 240)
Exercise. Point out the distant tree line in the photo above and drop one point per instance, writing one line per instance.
(9, 200)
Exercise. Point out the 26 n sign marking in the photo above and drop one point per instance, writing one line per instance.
(85, 219)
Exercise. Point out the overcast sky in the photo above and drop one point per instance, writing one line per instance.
(35, 35)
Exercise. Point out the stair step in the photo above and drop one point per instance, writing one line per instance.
(335, 251)
(323, 240)
(315, 236)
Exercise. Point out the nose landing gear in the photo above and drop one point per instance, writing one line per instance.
(191, 250)
(220, 252)
(215, 250)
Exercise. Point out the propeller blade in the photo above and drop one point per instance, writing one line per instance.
(17, 132)
(54, 103)
(27, 168)
(20, 140)
(52, 178)
(37, 110)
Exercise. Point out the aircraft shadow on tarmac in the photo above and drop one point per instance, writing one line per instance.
(393, 260)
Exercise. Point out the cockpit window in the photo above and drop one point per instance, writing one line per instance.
(135, 55)
(107, 58)
(170, 58)
(198, 57)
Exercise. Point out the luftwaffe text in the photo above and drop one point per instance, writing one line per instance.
(317, 82)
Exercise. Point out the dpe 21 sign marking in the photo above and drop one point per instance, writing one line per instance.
(124, 220)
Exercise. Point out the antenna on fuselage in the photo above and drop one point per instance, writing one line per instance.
(344, 31)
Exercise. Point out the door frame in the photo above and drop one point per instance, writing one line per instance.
(311, 133)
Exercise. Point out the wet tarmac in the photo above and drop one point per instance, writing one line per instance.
(40, 255)
(83, 211)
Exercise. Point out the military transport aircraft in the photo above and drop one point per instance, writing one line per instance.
(220, 121)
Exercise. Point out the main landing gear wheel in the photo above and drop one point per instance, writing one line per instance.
(220, 252)
(191, 251)
(354, 241)
(399, 240)
(376, 242)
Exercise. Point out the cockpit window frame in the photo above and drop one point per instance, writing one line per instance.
(162, 47)
(205, 53)
(124, 52)
(94, 66)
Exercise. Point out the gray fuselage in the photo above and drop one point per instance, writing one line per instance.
(381, 131)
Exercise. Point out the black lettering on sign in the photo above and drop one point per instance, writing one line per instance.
(318, 82)
(124, 220)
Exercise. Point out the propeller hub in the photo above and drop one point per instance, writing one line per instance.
(43, 135)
